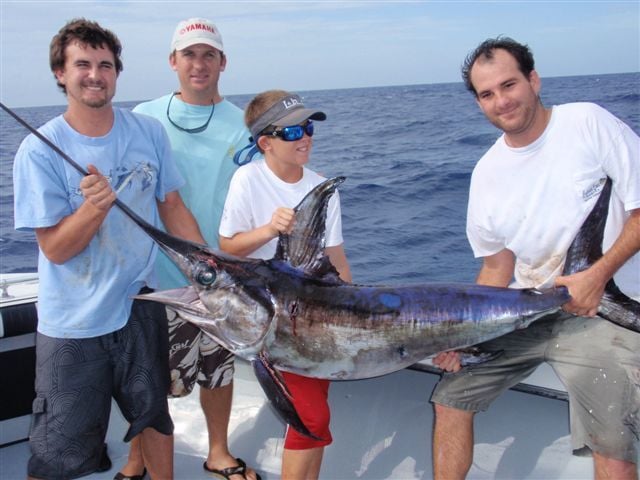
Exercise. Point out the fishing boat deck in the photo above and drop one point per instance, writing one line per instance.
(381, 428)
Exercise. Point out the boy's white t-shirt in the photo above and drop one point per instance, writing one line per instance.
(533, 200)
(256, 192)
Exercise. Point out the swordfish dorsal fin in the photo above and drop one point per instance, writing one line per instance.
(586, 249)
(303, 248)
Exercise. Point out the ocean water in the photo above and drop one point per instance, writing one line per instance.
(407, 153)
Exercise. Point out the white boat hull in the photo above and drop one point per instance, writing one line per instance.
(18, 319)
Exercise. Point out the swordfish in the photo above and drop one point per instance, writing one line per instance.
(293, 312)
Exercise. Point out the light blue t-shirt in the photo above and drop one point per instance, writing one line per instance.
(204, 159)
(90, 294)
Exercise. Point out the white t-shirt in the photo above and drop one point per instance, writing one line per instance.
(256, 192)
(533, 200)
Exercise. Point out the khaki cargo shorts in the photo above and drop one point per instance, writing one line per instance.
(596, 360)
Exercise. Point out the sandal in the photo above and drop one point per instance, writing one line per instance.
(225, 473)
(122, 476)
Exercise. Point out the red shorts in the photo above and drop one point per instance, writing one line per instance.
(310, 397)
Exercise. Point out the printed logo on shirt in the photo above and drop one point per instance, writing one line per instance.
(593, 189)
(143, 172)
(122, 178)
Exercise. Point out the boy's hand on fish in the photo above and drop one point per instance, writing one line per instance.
(282, 220)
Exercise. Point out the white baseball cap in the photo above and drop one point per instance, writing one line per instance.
(194, 31)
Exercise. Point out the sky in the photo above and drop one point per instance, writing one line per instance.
(317, 45)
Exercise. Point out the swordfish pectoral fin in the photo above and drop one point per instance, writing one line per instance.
(276, 391)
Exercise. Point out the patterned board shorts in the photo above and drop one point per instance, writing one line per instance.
(194, 356)
(75, 381)
(597, 361)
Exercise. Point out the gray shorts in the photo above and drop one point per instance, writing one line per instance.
(194, 356)
(597, 361)
(75, 381)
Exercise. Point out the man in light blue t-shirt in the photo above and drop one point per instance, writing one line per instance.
(205, 131)
(93, 341)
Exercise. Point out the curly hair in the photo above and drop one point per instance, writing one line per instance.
(85, 32)
(521, 52)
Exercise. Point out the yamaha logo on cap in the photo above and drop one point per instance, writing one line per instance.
(198, 26)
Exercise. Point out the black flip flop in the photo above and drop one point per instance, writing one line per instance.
(122, 476)
(240, 469)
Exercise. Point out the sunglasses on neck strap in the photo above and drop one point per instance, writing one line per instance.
(199, 129)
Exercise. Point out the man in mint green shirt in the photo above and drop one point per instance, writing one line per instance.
(205, 131)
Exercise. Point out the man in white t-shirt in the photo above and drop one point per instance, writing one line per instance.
(529, 195)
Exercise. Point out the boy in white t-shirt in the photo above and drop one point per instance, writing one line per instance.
(258, 208)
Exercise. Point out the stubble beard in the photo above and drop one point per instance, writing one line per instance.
(518, 125)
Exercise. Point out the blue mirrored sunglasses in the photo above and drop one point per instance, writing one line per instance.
(288, 134)
(292, 133)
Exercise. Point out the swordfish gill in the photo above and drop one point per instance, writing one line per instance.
(293, 313)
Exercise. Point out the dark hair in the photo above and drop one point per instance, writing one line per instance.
(520, 52)
(87, 33)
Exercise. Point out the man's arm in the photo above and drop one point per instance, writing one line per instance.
(587, 287)
(497, 271)
(73, 233)
(178, 219)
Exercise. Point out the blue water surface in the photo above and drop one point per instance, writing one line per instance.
(407, 153)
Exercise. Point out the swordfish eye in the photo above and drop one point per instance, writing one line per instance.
(204, 274)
